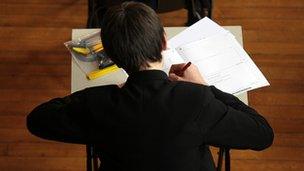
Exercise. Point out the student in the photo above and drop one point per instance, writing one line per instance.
(153, 122)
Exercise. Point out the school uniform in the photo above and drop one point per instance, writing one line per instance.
(152, 123)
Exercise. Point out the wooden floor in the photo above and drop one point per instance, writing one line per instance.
(35, 66)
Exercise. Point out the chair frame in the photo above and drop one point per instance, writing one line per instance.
(93, 164)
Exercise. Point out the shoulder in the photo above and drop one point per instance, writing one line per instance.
(190, 90)
(100, 89)
(191, 87)
(100, 92)
(100, 97)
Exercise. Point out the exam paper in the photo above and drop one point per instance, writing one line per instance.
(202, 29)
(220, 58)
(170, 57)
(219, 63)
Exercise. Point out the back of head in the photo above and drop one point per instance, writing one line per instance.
(133, 36)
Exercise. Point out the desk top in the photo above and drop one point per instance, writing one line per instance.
(78, 78)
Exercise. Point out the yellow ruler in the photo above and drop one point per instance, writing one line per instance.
(99, 73)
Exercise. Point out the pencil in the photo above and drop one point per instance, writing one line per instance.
(181, 72)
(185, 67)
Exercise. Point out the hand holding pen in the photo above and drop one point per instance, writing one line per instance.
(186, 72)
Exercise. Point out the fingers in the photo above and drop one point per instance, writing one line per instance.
(176, 67)
(174, 77)
(191, 74)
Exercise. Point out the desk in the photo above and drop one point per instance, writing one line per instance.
(78, 78)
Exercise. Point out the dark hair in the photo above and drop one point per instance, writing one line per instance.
(132, 35)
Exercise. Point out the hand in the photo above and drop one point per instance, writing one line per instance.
(191, 74)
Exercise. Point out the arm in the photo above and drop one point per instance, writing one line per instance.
(61, 119)
(227, 121)
(224, 120)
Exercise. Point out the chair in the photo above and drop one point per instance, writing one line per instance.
(197, 9)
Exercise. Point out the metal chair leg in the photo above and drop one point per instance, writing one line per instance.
(220, 159)
(223, 151)
(227, 159)
(89, 150)
(92, 159)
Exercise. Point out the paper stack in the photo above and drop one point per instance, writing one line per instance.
(220, 58)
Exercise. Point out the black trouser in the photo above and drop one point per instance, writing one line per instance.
(198, 9)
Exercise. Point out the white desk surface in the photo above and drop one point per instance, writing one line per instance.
(79, 80)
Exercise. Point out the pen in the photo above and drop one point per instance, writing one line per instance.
(181, 72)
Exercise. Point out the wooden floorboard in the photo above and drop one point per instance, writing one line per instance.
(260, 3)
(264, 13)
(292, 25)
(281, 112)
(45, 150)
(35, 67)
(266, 36)
(42, 163)
(259, 165)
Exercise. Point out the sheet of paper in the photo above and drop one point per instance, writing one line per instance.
(170, 57)
(202, 29)
(261, 80)
(220, 58)
(223, 63)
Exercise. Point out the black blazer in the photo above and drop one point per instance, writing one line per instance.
(152, 123)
